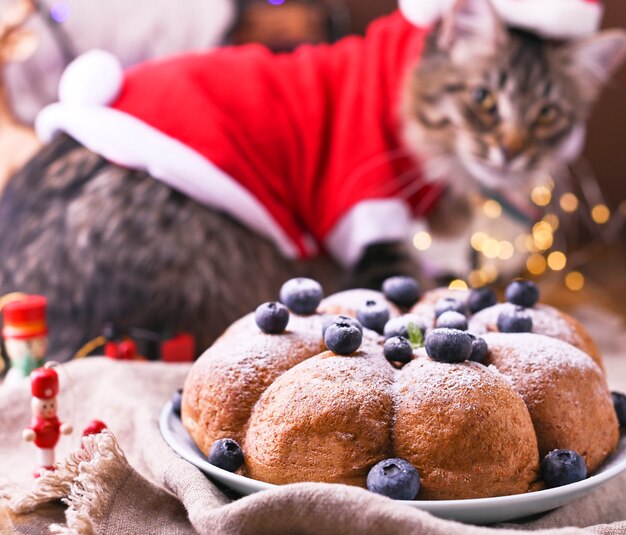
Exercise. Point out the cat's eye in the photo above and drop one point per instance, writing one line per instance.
(548, 114)
(485, 99)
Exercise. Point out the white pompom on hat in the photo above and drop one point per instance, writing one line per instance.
(554, 19)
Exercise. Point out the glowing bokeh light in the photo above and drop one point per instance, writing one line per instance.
(506, 250)
(491, 248)
(575, 281)
(568, 202)
(491, 273)
(458, 284)
(492, 209)
(557, 261)
(477, 278)
(478, 240)
(601, 214)
(553, 221)
(536, 264)
(543, 237)
(422, 241)
(541, 196)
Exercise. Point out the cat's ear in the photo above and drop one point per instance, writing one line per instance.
(592, 61)
(471, 27)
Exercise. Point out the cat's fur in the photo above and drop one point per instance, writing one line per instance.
(112, 244)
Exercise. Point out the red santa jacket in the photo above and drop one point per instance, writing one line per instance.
(47, 431)
(305, 148)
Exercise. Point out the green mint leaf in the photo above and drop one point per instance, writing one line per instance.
(415, 336)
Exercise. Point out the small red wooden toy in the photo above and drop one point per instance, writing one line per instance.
(45, 428)
(94, 427)
(25, 334)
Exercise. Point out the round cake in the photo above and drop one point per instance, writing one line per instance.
(301, 412)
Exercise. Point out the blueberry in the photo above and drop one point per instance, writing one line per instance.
(333, 318)
(394, 478)
(481, 298)
(343, 338)
(226, 454)
(562, 467)
(619, 400)
(177, 401)
(302, 296)
(450, 303)
(373, 315)
(479, 349)
(400, 326)
(398, 349)
(402, 291)
(515, 320)
(523, 293)
(272, 318)
(452, 320)
(448, 345)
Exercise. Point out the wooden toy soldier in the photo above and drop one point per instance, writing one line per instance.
(45, 428)
(25, 334)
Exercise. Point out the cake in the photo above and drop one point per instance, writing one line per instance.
(293, 410)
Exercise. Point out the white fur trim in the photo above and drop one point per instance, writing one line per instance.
(369, 222)
(424, 13)
(558, 19)
(127, 141)
(94, 78)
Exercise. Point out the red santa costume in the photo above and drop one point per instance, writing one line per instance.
(304, 148)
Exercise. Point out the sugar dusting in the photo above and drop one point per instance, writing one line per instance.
(546, 320)
(535, 355)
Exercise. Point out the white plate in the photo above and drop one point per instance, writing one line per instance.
(477, 511)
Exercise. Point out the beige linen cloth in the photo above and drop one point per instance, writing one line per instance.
(131, 482)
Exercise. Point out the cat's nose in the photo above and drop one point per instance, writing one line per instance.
(513, 144)
(511, 152)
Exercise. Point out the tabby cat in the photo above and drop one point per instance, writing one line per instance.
(486, 106)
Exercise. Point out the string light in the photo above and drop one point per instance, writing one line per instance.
(490, 272)
(478, 240)
(477, 278)
(422, 241)
(568, 202)
(491, 248)
(553, 221)
(506, 250)
(492, 209)
(541, 196)
(458, 284)
(557, 261)
(601, 214)
(575, 281)
(543, 237)
(536, 264)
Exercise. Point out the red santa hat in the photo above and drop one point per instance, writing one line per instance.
(44, 383)
(555, 19)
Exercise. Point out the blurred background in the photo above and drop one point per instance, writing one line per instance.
(576, 248)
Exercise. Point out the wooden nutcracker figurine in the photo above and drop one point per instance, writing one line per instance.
(45, 428)
(25, 334)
